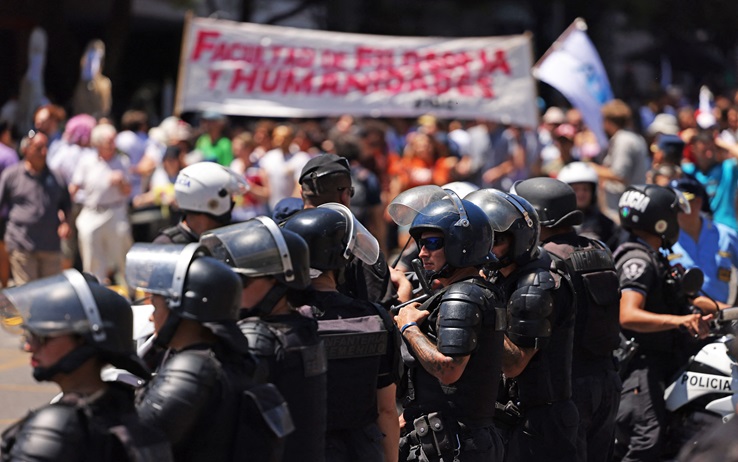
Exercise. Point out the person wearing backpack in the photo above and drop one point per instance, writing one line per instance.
(205, 389)
(588, 262)
(454, 339)
(73, 327)
(274, 266)
(536, 412)
(361, 342)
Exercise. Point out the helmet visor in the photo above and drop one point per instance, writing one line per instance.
(501, 209)
(250, 247)
(47, 307)
(159, 268)
(405, 207)
(362, 244)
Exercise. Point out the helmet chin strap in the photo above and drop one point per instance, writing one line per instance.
(68, 363)
(445, 272)
(267, 304)
(166, 333)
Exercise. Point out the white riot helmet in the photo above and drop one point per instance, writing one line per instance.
(577, 172)
(207, 187)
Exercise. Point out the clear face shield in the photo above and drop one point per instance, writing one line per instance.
(501, 208)
(361, 243)
(409, 204)
(253, 248)
(160, 269)
(53, 306)
(405, 207)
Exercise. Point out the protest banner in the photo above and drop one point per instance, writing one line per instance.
(258, 70)
(573, 67)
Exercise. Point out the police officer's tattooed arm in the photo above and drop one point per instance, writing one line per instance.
(445, 368)
(515, 358)
(634, 316)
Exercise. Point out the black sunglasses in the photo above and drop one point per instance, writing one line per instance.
(431, 243)
(35, 341)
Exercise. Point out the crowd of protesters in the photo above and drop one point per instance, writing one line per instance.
(114, 168)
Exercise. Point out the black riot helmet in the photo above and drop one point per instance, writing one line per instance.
(196, 286)
(554, 201)
(334, 236)
(70, 304)
(258, 247)
(509, 213)
(467, 233)
(653, 209)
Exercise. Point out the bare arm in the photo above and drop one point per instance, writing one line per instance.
(515, 359)
(388, 422)
(445, 368)
(634, 316)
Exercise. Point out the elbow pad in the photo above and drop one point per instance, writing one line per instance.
(460, 319)
(529, 309)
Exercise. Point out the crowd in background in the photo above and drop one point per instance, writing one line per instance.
(663, 139)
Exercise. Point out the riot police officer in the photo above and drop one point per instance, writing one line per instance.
(204, 193)
(73, 327)
(651, 313)
(328, 178)
(588, 262)
(539, 418)
(362, 343)
(197, 396)
(454, 339)
(274, 266)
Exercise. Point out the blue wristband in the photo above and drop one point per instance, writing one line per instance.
(406, 326)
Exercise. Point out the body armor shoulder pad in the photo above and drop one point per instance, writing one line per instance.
(177, 396)
(263, 341)
(460, 318)
(541, 278)
(528, 312)
(53, 432)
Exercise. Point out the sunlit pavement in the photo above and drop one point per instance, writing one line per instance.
(19, 393)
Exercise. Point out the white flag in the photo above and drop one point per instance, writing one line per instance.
(573, 67)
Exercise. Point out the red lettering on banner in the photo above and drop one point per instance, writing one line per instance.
(443, 82)
(203, 43)
(357, 82)
(498, 63)
(214, 76)
(293, 85)
(300, 57)
(377, 58)
(330, 59)
(485, 84)
(242, 78)
(329, 83)
(276, 53)
(410, 57)
(417, 80)
(270, 85)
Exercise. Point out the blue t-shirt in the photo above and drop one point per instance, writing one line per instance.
(715, 253)
(720, 182)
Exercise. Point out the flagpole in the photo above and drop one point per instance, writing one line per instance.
(179, 96)
(577, 24)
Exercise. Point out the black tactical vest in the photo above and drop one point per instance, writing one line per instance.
(595, 280)
(296, 362)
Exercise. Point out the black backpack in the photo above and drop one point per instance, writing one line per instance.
(592, 271)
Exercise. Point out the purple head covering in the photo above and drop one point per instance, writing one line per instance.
(78, 129)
